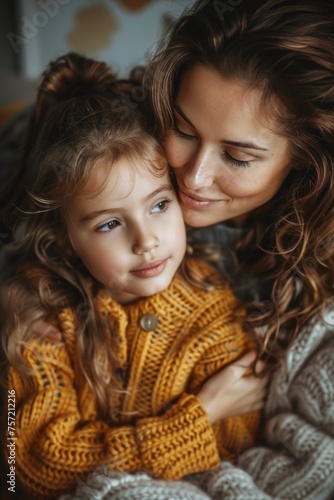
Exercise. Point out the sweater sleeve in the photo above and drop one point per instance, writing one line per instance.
(299, 459)
(55, 445)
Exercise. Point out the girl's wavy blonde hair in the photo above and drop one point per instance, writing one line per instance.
(286, 51)
(84, 119)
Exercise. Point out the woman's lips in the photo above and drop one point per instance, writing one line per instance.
(150, 269)
(196, 201)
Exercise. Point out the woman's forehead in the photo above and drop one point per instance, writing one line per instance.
(209, 100)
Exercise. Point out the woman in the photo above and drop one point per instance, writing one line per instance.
(249, 136)
(244, 103)
(243, 97)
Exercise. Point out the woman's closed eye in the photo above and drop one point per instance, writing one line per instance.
(233, 161)
(183, 135)
(108, 226)
(229, 158)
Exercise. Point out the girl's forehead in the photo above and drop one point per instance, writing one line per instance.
(118, 179)
(123, 190)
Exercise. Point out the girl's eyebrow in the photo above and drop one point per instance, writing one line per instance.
(238, 144)
(92, 215)
(165, 187)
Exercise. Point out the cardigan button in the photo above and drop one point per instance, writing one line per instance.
(149, 322)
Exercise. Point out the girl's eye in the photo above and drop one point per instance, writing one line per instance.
(109, 226)
(183, 135)
(161, 206)
(235, 162)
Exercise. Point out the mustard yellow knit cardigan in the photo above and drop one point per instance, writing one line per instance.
(168, 344)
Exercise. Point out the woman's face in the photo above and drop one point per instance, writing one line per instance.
(226, 157)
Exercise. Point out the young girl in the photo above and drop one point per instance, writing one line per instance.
(105, 239)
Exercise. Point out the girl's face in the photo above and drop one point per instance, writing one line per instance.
(131, 236)
(226, 158)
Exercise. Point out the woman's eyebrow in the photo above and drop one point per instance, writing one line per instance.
(247, 145)
(181, 113)
(239, 144)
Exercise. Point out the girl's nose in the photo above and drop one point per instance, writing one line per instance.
(145, 242)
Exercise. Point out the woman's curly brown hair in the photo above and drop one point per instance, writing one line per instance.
(286, 51)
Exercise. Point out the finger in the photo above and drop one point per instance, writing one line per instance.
(259, 386)
(260, 366)
(256, 406)
(257, 389)
(54, 335)
(44, 329)
(245, 360)
(256, 403)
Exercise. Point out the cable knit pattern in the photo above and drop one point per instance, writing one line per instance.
(298, 462)
(157, 424)
(106, 484)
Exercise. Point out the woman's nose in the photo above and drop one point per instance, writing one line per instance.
(145, 241)
(199, 171)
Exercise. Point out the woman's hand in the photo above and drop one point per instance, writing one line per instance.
(44, 329)
(232, 392)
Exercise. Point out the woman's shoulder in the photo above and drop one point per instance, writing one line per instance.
(317, 334)
(201, 283)
(307, 373)
(222, 233)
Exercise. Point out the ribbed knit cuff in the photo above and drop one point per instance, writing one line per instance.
(178, 443)
(123, 450)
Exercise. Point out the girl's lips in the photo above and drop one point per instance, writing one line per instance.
(190, 201)
(150, 269)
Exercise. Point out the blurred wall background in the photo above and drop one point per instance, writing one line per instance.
(121, 32)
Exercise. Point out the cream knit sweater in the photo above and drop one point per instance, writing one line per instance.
(298, 459)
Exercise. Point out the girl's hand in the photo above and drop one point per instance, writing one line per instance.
(231, 392)
(44, 329)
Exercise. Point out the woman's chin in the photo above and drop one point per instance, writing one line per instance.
(197, 218)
